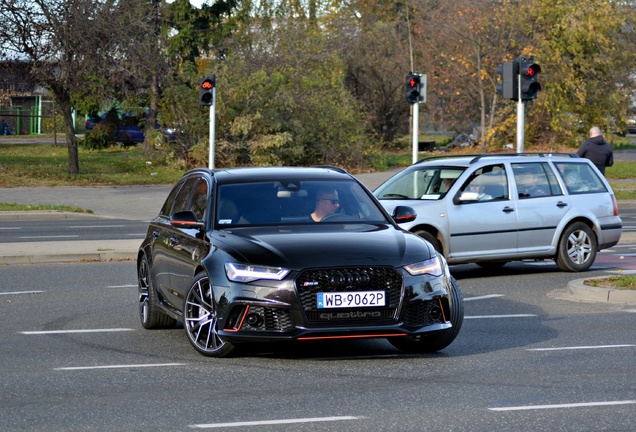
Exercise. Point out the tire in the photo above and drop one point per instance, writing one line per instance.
(150, 315)
(431, 239)
(200, 319)
(436, 341)
(577, 248)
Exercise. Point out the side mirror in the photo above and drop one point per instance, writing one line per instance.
(403, 214)
(186, 219)
(468, 197)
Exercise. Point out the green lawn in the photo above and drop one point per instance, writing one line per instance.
(47, 165)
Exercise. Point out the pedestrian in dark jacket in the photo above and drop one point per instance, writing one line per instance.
(597, 150)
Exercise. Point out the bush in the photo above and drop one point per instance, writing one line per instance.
(99, 138)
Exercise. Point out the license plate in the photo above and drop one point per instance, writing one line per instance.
(350, 299)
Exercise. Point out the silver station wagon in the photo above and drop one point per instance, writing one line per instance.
(491, 209)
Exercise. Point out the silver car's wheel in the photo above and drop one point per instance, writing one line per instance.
(150, 315)
(431, 239)
(577, 248)
(200, 319)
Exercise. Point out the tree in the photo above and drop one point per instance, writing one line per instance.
(586, 50)
(77, 49)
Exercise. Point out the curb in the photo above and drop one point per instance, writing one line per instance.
(70, 251)
(582, 292)
(43, 215)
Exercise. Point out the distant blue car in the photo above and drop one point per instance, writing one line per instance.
(126, 126)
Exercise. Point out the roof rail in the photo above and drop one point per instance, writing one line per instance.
(430, 158)
(335, 168)
(540, 154)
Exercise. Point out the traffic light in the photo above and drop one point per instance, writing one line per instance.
(508, 87)
(412, 88)
(206, 90)
(529, 79)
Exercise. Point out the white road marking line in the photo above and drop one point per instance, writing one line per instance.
(122, 286)
(273, 422)
(500, 316)
(483, 297)
(581, 347)
(120, 366)
(51, 236)
(21, 292)
(559, 406)
(10, 228)
(44, 332)
(97, 226)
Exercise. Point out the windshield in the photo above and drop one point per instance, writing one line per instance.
(429, 183)
(294, 202)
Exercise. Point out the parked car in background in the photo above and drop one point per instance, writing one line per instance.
(125, 127)
(236, 257)
(491, 209)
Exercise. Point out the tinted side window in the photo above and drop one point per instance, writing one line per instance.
(535, 179)
(199, 201)
(167, 206)
(181, 200)
(580, 178)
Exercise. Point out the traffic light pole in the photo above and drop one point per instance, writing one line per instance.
(416, 127)
(521, 115)
(212, 128)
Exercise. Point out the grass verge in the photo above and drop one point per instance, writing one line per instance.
(8, 207)
(613, 282)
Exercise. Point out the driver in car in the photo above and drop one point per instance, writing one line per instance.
(327, 203)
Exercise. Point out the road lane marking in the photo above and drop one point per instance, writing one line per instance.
(128, 366)
(20, 292)
(559, 406)
(500, 316)
(46, 237)
(484, 297)
(122, 286)
(97, 226)
(273, 422)
(44, 332)
(581, 347)
(10, 228)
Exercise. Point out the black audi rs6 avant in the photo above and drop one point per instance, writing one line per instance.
(251, 255)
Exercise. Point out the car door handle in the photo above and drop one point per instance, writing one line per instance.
(561, 204)
(508, 209)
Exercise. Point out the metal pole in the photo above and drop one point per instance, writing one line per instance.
(416, 127)
(520, 118)
(212, 127)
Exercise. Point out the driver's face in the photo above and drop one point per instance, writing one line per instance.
(328, 202)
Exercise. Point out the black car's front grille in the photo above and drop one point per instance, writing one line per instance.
(350, 279)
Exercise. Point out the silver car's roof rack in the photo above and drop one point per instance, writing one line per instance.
(476, 157)
(540, 154)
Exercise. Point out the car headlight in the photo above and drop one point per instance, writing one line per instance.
(246, 272)
(433, 266)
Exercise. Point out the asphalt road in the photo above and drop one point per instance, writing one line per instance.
(75, 358)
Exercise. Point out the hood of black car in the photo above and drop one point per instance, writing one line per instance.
(326, 245)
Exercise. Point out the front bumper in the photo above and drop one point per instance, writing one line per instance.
(287, 310)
